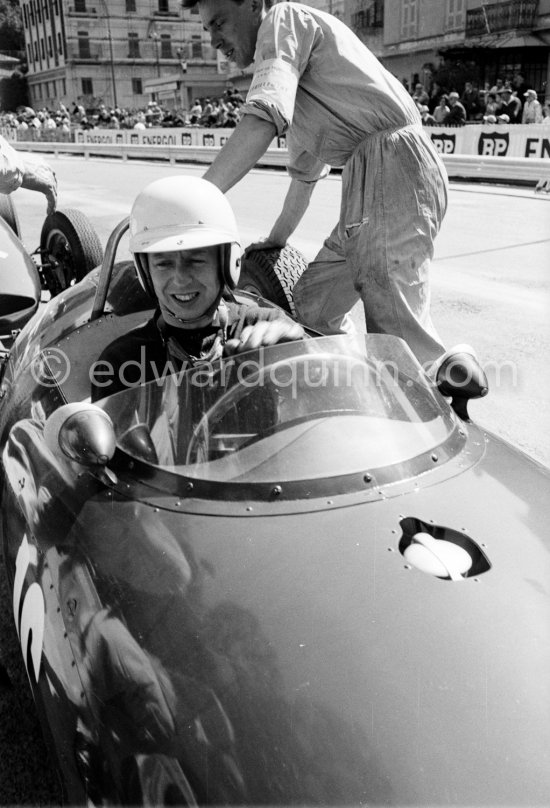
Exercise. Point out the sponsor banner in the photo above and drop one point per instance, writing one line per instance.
(157, 136)
(477, 140)
(8, 133)
(95, 136)
(493, 140)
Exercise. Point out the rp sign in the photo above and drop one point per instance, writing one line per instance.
(494, 144)
(445, 144)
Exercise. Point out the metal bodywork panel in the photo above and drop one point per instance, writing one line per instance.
(187, 642)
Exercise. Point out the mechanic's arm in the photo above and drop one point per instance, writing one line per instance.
(19, 171)
(295, 205)
(38, 176)
(242, 151)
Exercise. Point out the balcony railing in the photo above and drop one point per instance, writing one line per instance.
(149, 50)
(91, 52)
(83, 12)
(370, 14)
(515, 15)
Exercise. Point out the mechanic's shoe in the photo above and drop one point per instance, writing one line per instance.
(459, 375)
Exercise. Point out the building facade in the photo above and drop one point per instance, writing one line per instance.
(129, 52)
(122, 54)
(459, 40)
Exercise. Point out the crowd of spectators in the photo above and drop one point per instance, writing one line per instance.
(504, 102)
(507, 102)
(205, 112)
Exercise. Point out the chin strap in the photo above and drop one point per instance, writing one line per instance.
(176, 351)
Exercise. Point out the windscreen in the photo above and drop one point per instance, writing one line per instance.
(308, 409)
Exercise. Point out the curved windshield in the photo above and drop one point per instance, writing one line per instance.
(300, 410)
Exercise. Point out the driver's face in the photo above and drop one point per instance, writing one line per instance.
(186, 282)
(233, 27)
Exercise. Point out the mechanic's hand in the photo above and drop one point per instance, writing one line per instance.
(39, 176)
(264, 244)
(266, 332)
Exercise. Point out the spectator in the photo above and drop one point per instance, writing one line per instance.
(195, 113)
(457, 114)
(518, 85)
(510, 107)
(532, 110)
(497, 87)
(420, 96)
(471, 102)
(441, 110)
(427, 118)
(492, 108)
(436, 91)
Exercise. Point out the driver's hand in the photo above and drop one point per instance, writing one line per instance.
(266, 332)
(264, 244)
(38, 176)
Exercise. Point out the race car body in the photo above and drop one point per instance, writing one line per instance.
(294, 576)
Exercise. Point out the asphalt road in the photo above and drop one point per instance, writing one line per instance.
(490, 288)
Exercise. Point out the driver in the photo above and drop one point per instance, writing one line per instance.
(185, 243)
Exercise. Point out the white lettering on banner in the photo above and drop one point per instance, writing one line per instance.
(493, 144)
(517, 140)
(445, 144)
(275, 81)
(108, 138)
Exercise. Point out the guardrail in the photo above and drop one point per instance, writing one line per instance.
(501, 169)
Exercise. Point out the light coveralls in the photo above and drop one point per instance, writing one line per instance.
(316, 81)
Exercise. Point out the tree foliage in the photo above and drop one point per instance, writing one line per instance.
(12, 35)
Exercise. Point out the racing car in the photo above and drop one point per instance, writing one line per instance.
(302, 575)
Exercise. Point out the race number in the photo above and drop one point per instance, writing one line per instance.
(28, 611)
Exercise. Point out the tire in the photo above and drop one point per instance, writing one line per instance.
(69, 247)
(9, 214)
(272, 274)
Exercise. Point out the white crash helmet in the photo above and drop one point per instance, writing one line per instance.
(183, 213)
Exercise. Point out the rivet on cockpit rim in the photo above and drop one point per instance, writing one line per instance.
(156, 510)
(249, 508)
(276, 491)
(367, 478)
(435, 457)
(178, 504)
(329, 502)
(189, 487)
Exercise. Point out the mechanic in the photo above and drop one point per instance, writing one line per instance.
(316, 82)
(20, 171)
(185, 243)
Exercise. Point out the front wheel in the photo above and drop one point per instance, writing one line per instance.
(272, 274)
(70, 248)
